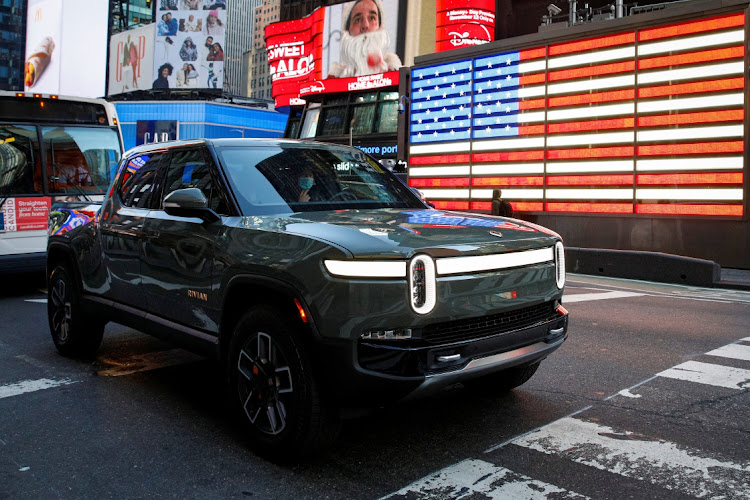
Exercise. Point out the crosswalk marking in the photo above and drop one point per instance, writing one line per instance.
(733, 351)
(37, 301)
(581, 297)
(25, 386)
(658, 462)
(710, 374)
(479, 479)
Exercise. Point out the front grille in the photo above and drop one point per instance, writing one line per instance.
(485, 326)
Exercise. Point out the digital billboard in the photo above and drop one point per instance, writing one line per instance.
(189, 45)
(647, 121)
(463, 23)
(131, 60)
(66, 47)
(349, 46)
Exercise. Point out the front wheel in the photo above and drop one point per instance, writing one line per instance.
(75, 334)
(275, 389)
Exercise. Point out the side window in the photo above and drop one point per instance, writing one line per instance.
(20, 171)
(139, 178)
(190, 169)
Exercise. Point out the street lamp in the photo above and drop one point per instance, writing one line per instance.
(241, 131)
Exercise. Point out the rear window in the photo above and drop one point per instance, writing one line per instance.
(311, 177)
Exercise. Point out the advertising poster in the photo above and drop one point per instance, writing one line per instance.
(131, 60)
(349, 46)
(189, 45)
(66, 47)
(25, 214)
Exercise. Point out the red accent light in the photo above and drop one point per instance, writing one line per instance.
(581, 153)
(697, 148)
(689, 118)
(592, 43)
(511, 156)
(602, 69)
(439, 182)
(590, 180)
(562, 310)
(614, 123)
(438, 159)
(692, 58)
(692, 88)
(531, 104)
(300, 311)
(449, 205)
(527, 206)
(53, 97)
(687, 28)
(507, 181)
(20, 94)
(670, 209)
(680, 179)
(577, 100)
(592, 208)
(525, 55)
(37, 95)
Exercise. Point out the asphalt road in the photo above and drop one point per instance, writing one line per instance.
(648, 398)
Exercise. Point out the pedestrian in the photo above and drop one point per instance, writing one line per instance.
(499, 205)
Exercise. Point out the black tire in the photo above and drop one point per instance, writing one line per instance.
(506, 380)
(75, 334)
(274, 387)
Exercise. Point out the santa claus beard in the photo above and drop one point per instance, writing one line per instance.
(363, 54)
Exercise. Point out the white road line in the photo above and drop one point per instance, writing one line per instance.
(658, 462)
(477, 478)
(147, 362)
(709, 374)
(581, 297)
(733, 351)
(37, 301)
(25, 386)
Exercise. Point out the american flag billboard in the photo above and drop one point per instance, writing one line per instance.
(648, 121)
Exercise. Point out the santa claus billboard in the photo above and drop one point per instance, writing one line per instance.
(349, 46)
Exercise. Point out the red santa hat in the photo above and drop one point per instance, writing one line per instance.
(346, 19)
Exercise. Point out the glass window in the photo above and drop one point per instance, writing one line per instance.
(80, 160)
(310, 177)
(310, 126)
(333, 122)
(139, 178)
(188, 169)
(20, 171)
(388, 117)
(363, 118)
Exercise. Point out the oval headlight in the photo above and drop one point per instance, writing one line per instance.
(422, 284)
(559, 265)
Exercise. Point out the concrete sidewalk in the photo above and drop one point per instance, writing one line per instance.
(654, 266)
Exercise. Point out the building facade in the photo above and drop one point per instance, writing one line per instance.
(12, 43)
(267, 12)
(129, 14)
(239, 40)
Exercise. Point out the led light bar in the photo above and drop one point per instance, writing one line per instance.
(473, 264)
(366, 269)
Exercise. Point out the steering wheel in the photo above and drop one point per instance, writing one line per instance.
(344, 195)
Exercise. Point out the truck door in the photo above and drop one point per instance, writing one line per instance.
(178, 258)
(121, 226)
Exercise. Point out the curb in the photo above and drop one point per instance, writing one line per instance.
(649, 266)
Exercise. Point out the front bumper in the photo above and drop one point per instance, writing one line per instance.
(380, 372)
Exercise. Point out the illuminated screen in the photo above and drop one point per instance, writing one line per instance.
(325, 52)
(598, 125)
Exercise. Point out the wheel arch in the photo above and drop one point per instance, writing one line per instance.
(245, 291)
(59, 253)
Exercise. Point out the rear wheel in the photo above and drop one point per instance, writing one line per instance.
(275, 389)
(508, 379)
(74, 333)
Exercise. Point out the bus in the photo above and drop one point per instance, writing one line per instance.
(52, 149)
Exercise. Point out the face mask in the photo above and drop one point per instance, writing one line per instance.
(305, 182)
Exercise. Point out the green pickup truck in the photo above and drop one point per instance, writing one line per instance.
(314, 276)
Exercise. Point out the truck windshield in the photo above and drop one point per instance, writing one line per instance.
(311, 177)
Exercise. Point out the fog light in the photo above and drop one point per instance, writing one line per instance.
(395, 334)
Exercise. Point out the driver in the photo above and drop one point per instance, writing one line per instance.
(305, 182)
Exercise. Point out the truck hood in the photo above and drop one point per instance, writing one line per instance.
(393, 233)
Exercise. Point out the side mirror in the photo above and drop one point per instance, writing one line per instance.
(189, 202)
